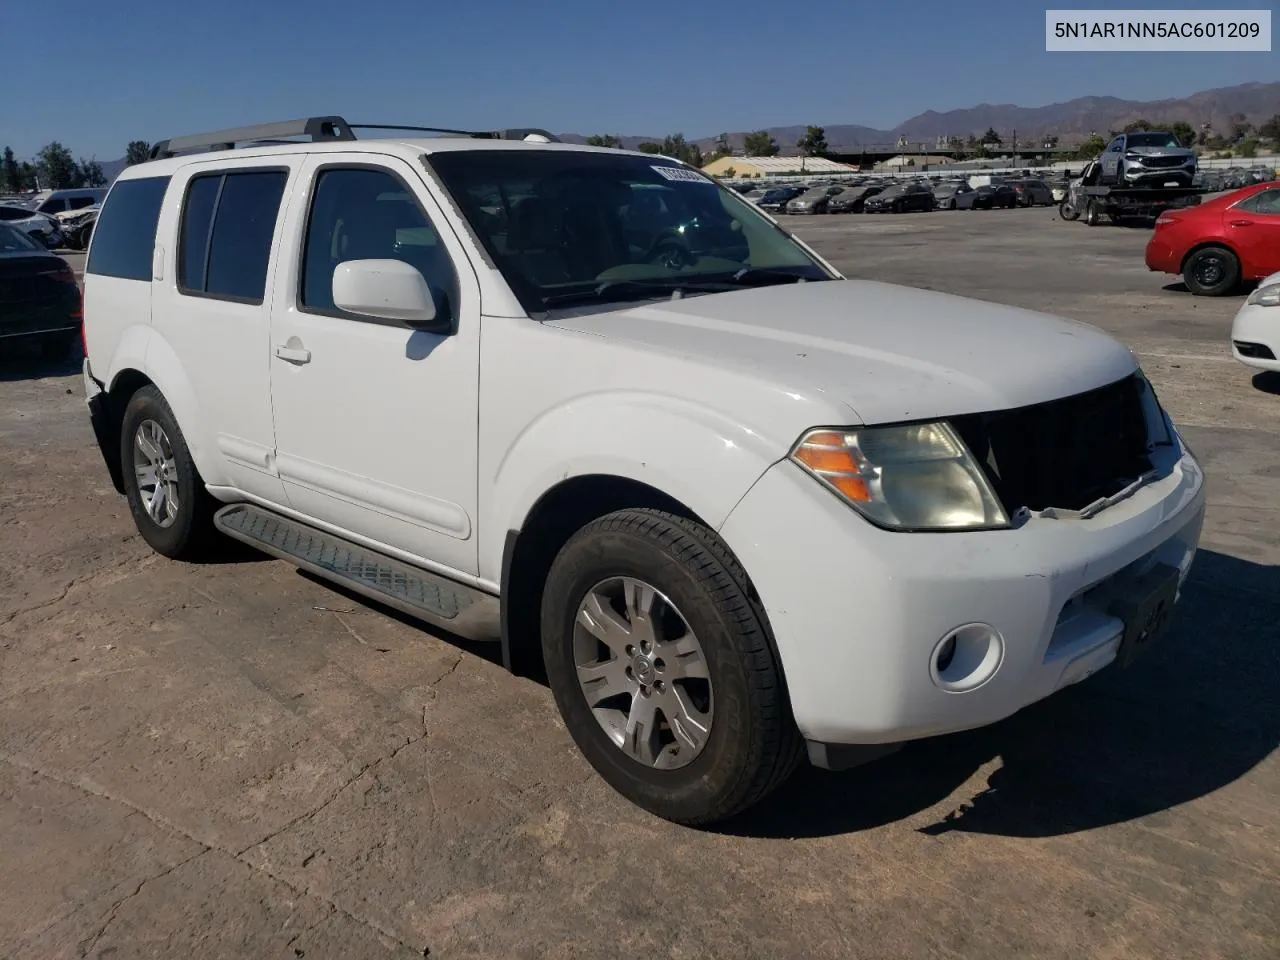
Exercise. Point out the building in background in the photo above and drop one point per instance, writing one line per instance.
(774, 166)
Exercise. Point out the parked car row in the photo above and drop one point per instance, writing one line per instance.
(887, 195)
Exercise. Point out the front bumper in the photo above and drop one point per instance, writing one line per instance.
(1255, 336)
(858, 624)
(1159, 176)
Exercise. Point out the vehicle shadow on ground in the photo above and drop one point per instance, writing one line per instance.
(1195, 713)
(1268, 382)
(1242, 291)
(22, 361)
(491, 651)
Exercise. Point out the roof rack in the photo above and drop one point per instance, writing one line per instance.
(317, 130)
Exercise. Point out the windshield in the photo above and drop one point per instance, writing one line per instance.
(1152, 140)
(571, 226)
(14, 241)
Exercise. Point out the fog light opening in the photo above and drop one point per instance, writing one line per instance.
(966, 658)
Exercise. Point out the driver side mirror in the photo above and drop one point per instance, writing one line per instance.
(388, 290)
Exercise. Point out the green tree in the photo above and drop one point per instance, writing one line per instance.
(1091, 147)
(1137, 126)
(57, 168)
(28, 176)
(991, 138)
(650, 147)
(10, 174)
(91, 173)
(1185, 133)
(1248, 148)
(729, 173)
(760, 144)
(139, 151)
(1271, 129)
(675, 146)
(604, 140)
(814, 142)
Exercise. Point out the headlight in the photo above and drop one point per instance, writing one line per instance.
(1268, 296)
(915, 477)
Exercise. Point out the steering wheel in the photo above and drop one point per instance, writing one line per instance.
(671, 252)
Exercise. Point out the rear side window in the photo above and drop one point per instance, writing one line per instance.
(228, 221)
(125, 234)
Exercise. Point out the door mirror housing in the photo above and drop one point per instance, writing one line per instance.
(388, 290)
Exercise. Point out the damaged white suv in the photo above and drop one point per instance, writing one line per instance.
(590, 405)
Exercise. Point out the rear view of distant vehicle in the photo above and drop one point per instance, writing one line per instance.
(776, 200)
(994, 196)
(901, 198)
(853, 199)
(39, 296)
(40, 227)
(1032, 193)
(1255, 333)
(1216, 245)
(1147, 160)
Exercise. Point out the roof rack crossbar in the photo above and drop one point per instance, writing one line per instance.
(317, 129)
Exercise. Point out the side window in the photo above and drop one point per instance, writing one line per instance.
(79, 203)
(1266, 203)
(54, 205)
(1116, 145)
(125, 234)
(362, 214)
(228, 221)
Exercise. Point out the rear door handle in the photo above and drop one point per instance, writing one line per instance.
(1242, 223)
(297, 355)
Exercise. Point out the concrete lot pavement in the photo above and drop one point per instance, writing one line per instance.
(235, 760)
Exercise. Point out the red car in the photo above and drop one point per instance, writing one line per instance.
(1218, 244)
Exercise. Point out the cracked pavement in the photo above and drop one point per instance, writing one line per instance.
(237, 760)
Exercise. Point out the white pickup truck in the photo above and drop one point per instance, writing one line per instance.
(588, 404)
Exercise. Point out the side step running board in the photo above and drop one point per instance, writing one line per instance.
(437, 600)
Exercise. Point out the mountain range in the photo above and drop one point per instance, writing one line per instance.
(1071, 121)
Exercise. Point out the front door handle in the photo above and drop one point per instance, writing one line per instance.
(293, 354)
(1242, 223)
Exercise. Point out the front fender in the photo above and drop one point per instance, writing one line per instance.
(700, 456)
(142, 349)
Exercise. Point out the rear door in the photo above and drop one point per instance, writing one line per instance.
(211, 302)
(1253, 228)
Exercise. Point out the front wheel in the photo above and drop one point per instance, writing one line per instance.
(167, 497)
(1211, 272)
(1067, 211)
(662, 668)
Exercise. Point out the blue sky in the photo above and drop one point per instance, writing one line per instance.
(149, 69)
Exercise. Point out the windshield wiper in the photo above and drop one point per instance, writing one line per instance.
(650, 288)
(764, 276)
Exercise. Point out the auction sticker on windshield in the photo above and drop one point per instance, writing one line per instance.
(681, 173)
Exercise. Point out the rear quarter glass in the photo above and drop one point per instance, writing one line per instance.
(125, 234)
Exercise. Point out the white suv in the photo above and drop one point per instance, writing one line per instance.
(589, 404)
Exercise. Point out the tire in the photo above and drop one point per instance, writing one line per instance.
(1067, 211)
(56, 347)
(750, 745)
(1211, 272)
(184, 532)
(1092, 213)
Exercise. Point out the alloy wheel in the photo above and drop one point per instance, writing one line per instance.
(643, 673)
(156, 472)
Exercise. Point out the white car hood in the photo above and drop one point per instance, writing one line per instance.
(887, 353)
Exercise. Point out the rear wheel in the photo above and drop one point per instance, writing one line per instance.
(170, 506)
(1211, 272)
(662, 668)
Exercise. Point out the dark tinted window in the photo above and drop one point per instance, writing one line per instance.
(125, 234)
(242, 230)
(14, 213)
(1267, 202)
(371, 215)
(79, 203)
(13, 240)
(193, 244)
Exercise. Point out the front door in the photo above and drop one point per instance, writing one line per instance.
(1110, 161)
(1253, 227)
(376, 423)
